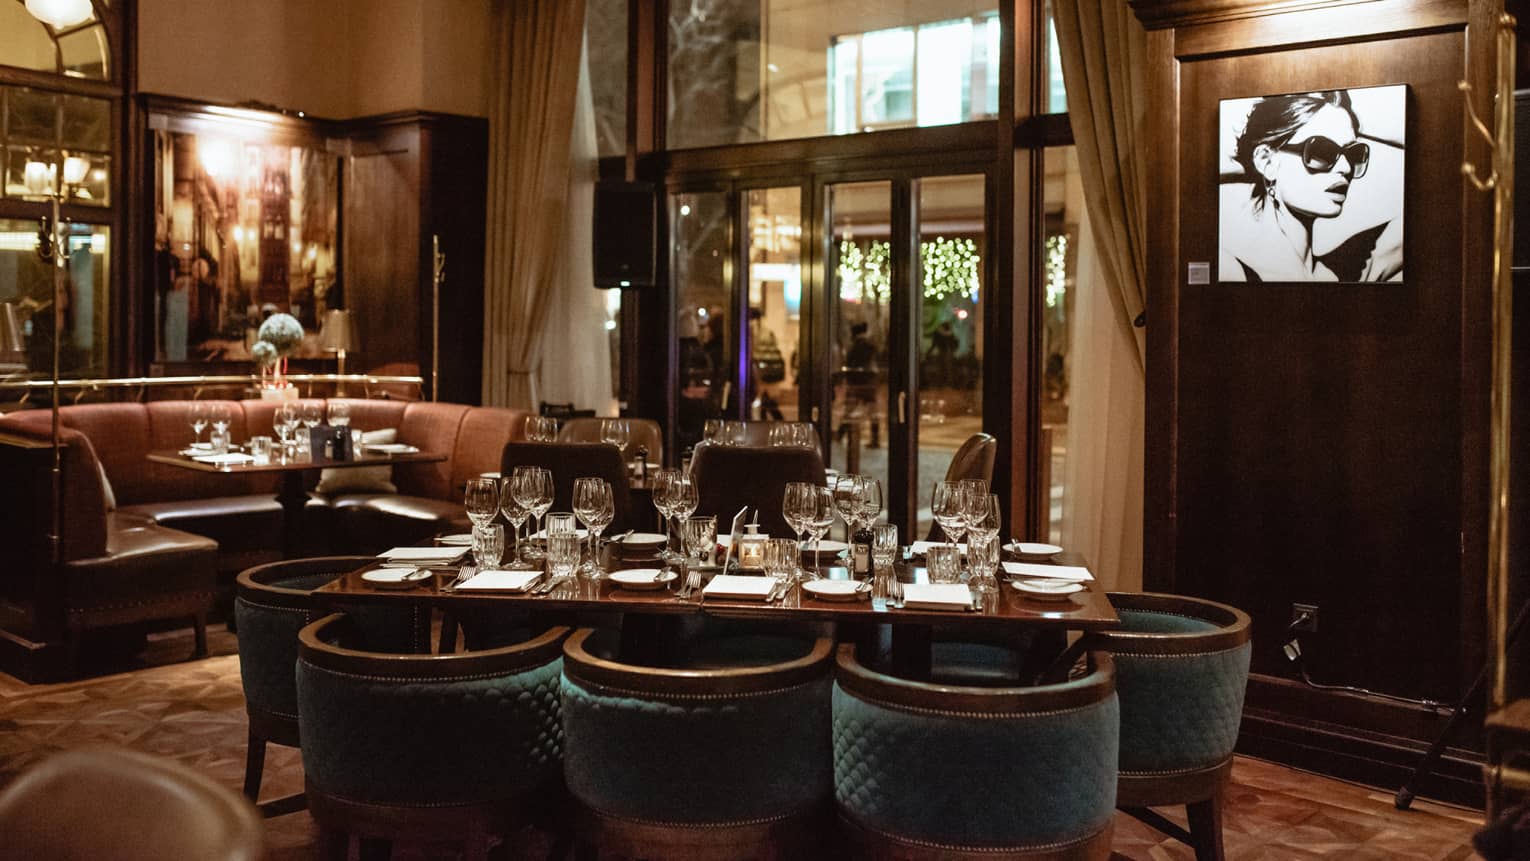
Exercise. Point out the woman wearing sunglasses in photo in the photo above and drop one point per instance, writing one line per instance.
(1303, 153)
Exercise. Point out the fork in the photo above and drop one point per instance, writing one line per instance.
(895, 592)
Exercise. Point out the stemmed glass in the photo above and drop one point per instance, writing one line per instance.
(541, 429)
(796, 508)
(821, 519)
(532, 487)
(982, 515)
(516, 514)
(616, 432)
(339, 413)
(595, 508)
(871, 500)
(848, 490)
(218, 416)
(711, 431)
(283, 421)
(309, 416)
(481, 499)
(663, 484)
(949, 510)
(683, 499)
(198, 420)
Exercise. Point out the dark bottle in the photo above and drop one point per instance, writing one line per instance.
(860, 554)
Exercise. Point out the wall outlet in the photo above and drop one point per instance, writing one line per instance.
(1309, 623)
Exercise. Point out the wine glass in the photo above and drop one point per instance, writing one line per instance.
(948, 509)
(983, 515)
(795, 507)
(593, 506)
(711, 431)
(616, 432)
(198, 418)
(339, 413)
(663, 483)
(516, 514)
(312, 413)
(848, 500)
(604, 514)
(279, 423)
(481, 499)
(526, 485)
(734, 433)
(218, 415)
(871, 500)
(821, 519)
(683, 498)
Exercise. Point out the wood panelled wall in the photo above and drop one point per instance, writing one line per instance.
(1322, 443)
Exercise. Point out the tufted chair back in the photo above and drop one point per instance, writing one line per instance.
(422, 746)
(1181, 670)
(272, 603)
(744, 764)
(568, 461)
(643, 432)
(1037, 765)
(728, 477)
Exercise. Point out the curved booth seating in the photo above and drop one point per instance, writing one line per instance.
(645, 433)
(1181, 670)
(973, 460)
(428, 747)
(570, 460)
(111, 803)
(725, 757)
(272, 603)
(1024, 772)
(729, 477)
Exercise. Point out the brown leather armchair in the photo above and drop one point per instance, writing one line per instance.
(568, 461)
(112, 803)
(730, 477)
(973, 460)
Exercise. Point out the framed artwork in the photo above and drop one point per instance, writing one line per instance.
(245, 216)
(1311, 186)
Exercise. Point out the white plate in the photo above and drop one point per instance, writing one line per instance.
(461, 539)
(396, 578)
(1047, 590)
(642, 541)
(825, 547)
(642, 579)
(390, 447)
(837, 590)
(1030, 549)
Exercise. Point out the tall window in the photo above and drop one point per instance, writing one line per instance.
(58, 135)
(926, 75)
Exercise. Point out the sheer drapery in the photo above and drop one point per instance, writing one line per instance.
(576, 367)
(1104, 57)
(536, 78)
(1102, 474)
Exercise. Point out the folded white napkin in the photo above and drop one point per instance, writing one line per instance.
(422, 554)
(1076, 573)
(223, 459)
(503, 581)
(919, 548)
(937, 596)
(738, 586)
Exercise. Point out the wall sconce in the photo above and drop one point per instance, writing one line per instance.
(38, 177)
(61, 14)
(75, 169)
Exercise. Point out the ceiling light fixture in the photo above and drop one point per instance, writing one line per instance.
(60, 14)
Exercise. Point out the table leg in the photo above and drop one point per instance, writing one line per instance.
(293, 498)
(911, 651)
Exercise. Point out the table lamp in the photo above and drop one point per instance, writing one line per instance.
(337, 334)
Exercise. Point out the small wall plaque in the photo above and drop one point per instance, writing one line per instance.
(1198, 272)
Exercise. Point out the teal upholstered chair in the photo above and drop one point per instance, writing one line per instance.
(456, 747)
(724, 757)
(930, 771)
(1181, 670)
(271, 604)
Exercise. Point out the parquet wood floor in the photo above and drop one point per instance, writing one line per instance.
(193, 711)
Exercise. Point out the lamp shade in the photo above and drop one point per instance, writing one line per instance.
(337, 334)
(61, 13)
(13, 346)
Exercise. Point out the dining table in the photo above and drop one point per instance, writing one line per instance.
(650, 616)
(295, 470)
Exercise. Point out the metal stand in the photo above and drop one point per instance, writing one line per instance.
(1406, 793)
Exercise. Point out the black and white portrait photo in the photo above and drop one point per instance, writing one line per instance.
(1312, 186)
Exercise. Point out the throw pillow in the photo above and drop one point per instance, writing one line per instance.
(361, 479)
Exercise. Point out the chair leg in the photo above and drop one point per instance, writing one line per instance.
(254, 766)
(199, 628)
(1206, 828)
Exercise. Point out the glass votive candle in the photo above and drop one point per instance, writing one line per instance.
(358, 438)
(260, 449)
(751, 548)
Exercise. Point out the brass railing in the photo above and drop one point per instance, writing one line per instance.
(81, 387)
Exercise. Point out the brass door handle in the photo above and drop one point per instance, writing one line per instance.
(903, 408)
(814, 414)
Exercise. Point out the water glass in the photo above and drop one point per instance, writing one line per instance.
(339, 413)
(983, 560)
(944, 563)
(488, 545)
(562, 554)
(781, 558)
(700, 538)
(884, 545)
(260, 449)
(218, 439)
(358, 441)
(561, 523)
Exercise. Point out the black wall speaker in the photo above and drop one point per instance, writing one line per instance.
(626, 234)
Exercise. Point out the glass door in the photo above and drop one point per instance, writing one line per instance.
(700, 262)
(774, 273)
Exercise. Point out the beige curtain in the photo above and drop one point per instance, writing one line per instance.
(576, 368)
(536, 76)
(1104, 57)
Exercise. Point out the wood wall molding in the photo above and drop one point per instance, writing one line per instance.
(1168, 14)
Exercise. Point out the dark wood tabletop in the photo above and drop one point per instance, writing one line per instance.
(1083, 611)
(295, 464)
